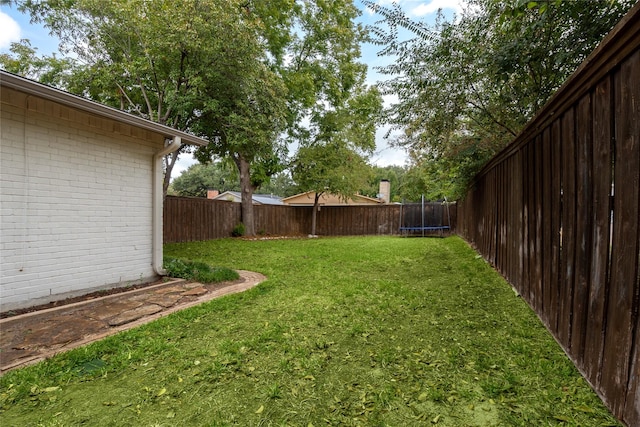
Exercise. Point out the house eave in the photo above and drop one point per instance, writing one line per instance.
(32, 87)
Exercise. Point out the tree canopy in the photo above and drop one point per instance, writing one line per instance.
(467, 87)
(251, 76)
(198, 178)
(154, 59)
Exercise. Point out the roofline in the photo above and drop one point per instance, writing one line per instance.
(351, 197)
(33, 87)
(298, 195)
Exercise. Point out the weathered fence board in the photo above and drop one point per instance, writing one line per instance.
(567, 243)
(558, 214)
(584, 197)
(547, 216)
(601, 212)
(556, 226)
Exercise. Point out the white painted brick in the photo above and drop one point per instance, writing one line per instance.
(82, 217)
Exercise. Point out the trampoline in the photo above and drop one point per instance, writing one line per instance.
(425, 218)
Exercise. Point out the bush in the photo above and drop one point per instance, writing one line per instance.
(198, 271)
(238, 230)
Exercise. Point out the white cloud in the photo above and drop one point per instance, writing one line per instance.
(182, 164)
(432, 7)
(9, 31)
(420, 8)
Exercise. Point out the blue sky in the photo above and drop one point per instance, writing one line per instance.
(15, 26)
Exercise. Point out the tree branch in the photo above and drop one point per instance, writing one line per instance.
(131, 103)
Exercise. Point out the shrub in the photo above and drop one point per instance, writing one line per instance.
(238, 230)
(198, 271)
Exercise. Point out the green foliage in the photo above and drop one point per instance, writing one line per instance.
(198, 271)
(329, 168)
(396, 177)
(360, 331)
(281, 184)
(24, 61)
(248, 76)
(466, 88)
(176, 62)
(198, 178)
(238, 231)
(333, 152)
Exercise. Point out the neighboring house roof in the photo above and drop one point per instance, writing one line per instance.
(35, 88)
(258, 199)
(326, 199)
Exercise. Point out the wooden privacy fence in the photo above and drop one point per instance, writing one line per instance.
(557, 213)
(188, 219)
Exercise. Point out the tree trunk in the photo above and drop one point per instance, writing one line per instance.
(246, 192)
(169, 163)
(314, 213)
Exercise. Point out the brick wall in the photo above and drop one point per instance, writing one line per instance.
(75, 201)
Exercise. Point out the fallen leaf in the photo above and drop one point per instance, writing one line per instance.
(584, 408)
(260, 409)
(161, 392)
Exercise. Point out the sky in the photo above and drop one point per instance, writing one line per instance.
(15, 26)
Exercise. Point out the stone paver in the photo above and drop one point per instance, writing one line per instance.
(32, 337)
(135, 314)
(195, 291)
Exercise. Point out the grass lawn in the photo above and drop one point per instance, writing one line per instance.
(367, 331)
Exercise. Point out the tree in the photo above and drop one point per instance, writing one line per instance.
(467, 88)
(394, 174)
(280, 184)
(333, 169)
(198, 178)
(154, 59)
(313, 48)
(246, 74)
(244, 123)
(334, 161)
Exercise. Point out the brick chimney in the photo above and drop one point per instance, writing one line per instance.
(385, 191)
(212, 193)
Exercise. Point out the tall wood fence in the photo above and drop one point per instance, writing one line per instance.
(557, 213)
(188, 219)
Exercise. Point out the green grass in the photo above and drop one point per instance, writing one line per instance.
(370, 331)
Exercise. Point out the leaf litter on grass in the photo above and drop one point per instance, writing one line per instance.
(357, 331)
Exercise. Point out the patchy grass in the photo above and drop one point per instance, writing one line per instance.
(347, 331)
